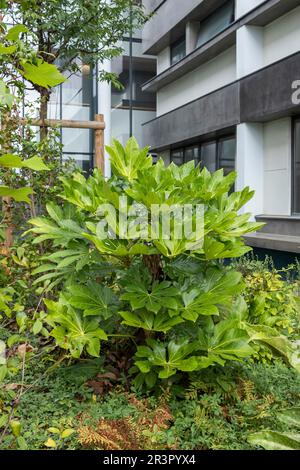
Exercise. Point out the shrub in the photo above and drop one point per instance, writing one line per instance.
(172, 298)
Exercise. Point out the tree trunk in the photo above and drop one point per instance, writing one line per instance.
(153, 263)
(45, 96)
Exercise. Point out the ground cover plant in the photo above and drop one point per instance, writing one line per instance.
(66, 409)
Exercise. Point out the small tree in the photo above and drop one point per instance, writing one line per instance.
(18, 61)
(75, 32)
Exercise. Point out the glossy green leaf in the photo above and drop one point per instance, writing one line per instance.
(42, 74)
(272, 440)
(19, 195)
(93, 299)
(15, 31)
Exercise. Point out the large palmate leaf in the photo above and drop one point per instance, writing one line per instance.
(129, 160)
(87, 194)
(42, 74)
(19, 195)
(214, 288)
(14, 161)
(119, 248)
(225, 341)
(93, 299)
(172, 248)
(155, 297)
(273, 440)
(160, 322)
(67, 266)
(169, 358)
(61, 228)
(72, 331)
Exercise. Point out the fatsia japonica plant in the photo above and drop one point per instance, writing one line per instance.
(125, 267)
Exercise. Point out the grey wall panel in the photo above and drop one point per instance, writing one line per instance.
(208, 114)
(263, 96)
(151, 5)
(169, 22)
(267, 94)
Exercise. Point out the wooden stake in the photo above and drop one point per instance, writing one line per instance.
(99, 144)
(98, 124)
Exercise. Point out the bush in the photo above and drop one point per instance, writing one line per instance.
(179, 307)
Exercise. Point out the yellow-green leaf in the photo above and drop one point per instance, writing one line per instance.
(66, 433)
(15, 426)
(42, 74)
(7, 49)
(54, 430)
(50, 443)
(19, 195)
(14, 32)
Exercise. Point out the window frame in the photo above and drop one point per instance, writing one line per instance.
(217, 141)
(181, 40)
(233, 18)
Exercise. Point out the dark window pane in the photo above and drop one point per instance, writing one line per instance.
(297, 168)
(227, 151)
(192, 153)
(209, 156)
(177, 156)
(178, 51)
(216, 22)
(141, 100)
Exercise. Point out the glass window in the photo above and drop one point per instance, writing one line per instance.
(227, 152)
(178, 50)
(209, 155)
(76, 99)
(177, 156)
(216, 22)
(131, 106)
(141, 100)
(297, 167)
(213, 155)
(192, 153)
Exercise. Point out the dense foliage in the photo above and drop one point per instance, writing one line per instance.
(18, 61)
(181, 309)
(76, 35)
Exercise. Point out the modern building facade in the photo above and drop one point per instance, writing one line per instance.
(228, 95)
(82, 96)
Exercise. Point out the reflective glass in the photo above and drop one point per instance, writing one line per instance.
(216, 22)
